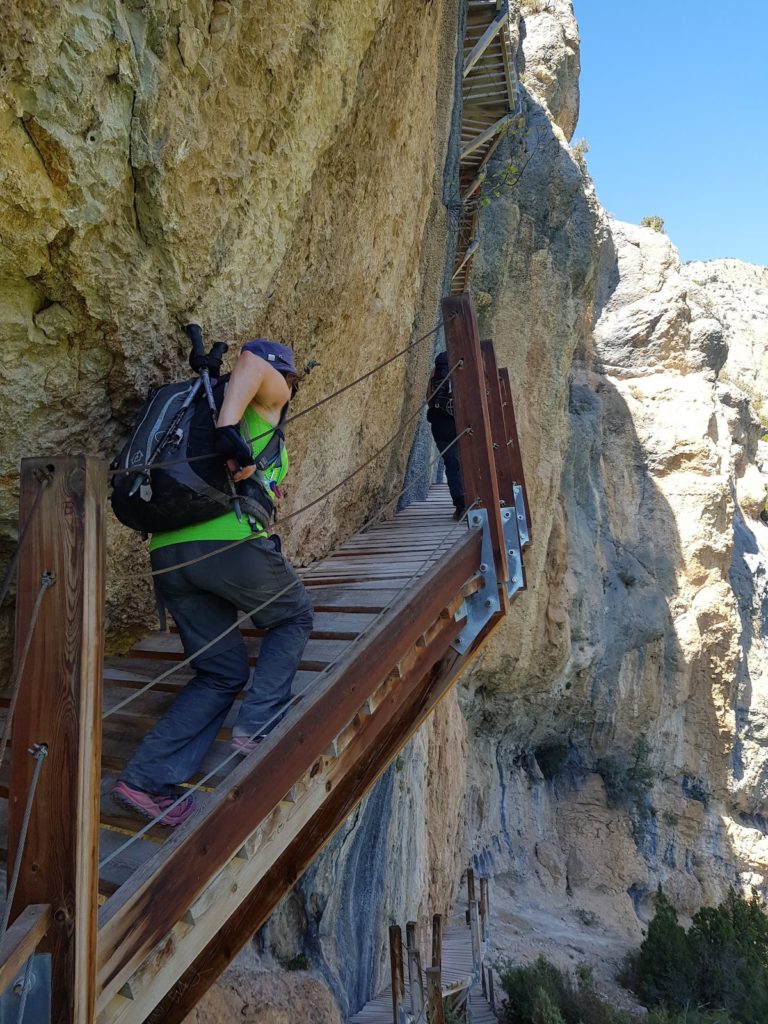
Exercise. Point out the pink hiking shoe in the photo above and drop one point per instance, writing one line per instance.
(149, 806)
(244, 744)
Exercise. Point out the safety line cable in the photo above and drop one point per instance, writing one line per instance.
(43, 480)
(327, 494)
(178, 666)
(46, 580)
(25, 990)
(190, 790)
(39, 751)
(289, 419)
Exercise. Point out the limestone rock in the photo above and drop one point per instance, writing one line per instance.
(551, 56)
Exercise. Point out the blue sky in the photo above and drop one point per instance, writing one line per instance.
(674, 106)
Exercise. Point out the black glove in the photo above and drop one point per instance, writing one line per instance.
(211, 362)
(229, 442)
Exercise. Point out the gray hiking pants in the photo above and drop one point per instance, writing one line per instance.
(204, 600)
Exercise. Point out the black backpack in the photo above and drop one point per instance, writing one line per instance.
(168, 474)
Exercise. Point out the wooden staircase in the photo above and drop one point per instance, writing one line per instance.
(140, 925)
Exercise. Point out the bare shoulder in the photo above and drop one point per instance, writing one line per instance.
(270, 390)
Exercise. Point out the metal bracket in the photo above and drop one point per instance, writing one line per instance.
(509, 525)
(482, 605)
(37, 1006)
(522, 520)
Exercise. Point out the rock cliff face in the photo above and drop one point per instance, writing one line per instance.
(279, 169)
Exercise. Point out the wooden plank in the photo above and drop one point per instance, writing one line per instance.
(60, 705)
(146, 908)
(22, 939)
(167, 646)
(484, 137)
(470, 404)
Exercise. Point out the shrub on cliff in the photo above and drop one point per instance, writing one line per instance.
(655, 223)
(543, 994)
(719, 964)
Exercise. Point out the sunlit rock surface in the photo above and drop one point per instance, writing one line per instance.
(285, 170)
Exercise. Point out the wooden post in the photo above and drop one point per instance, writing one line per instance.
(484, 907)
(513, 442)
(398, 979)
(474, 924)
(502, 453)
(435, 1014)
(470, 894)
(60, 705)
(491, 996)
(470, 409)
(414, 969)
(437, 940)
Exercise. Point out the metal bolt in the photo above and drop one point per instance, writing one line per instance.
(505, 515)
(520, 517)
(483, 567)
(476, 520)
(510, 551)
(488, 602)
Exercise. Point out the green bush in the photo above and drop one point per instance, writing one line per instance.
(542, 994)
(654, 222)
(719, 965)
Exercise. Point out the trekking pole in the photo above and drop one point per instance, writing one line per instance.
(195, 334)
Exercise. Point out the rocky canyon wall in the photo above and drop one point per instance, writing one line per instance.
(281, 170)
(616, 720)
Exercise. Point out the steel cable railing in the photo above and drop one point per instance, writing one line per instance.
(260, 607)
(188, 790)
(316, 501)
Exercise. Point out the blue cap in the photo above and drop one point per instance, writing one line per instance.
(279, 356)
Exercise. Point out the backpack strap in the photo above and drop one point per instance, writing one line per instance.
(274, 447)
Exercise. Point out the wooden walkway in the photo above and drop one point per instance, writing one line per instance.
(458, 974)
(142, 924)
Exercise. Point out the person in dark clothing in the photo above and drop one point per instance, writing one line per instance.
(443, 427)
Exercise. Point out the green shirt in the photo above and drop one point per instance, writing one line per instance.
(227, 527)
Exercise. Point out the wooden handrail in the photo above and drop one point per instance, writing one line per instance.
(22, 939)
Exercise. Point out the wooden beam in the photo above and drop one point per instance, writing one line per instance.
(409, 715)
(60, 705)
(486, 136)
(22, 939)
(470, 404)
(144, 910)
(482, 43)
(513, 442)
